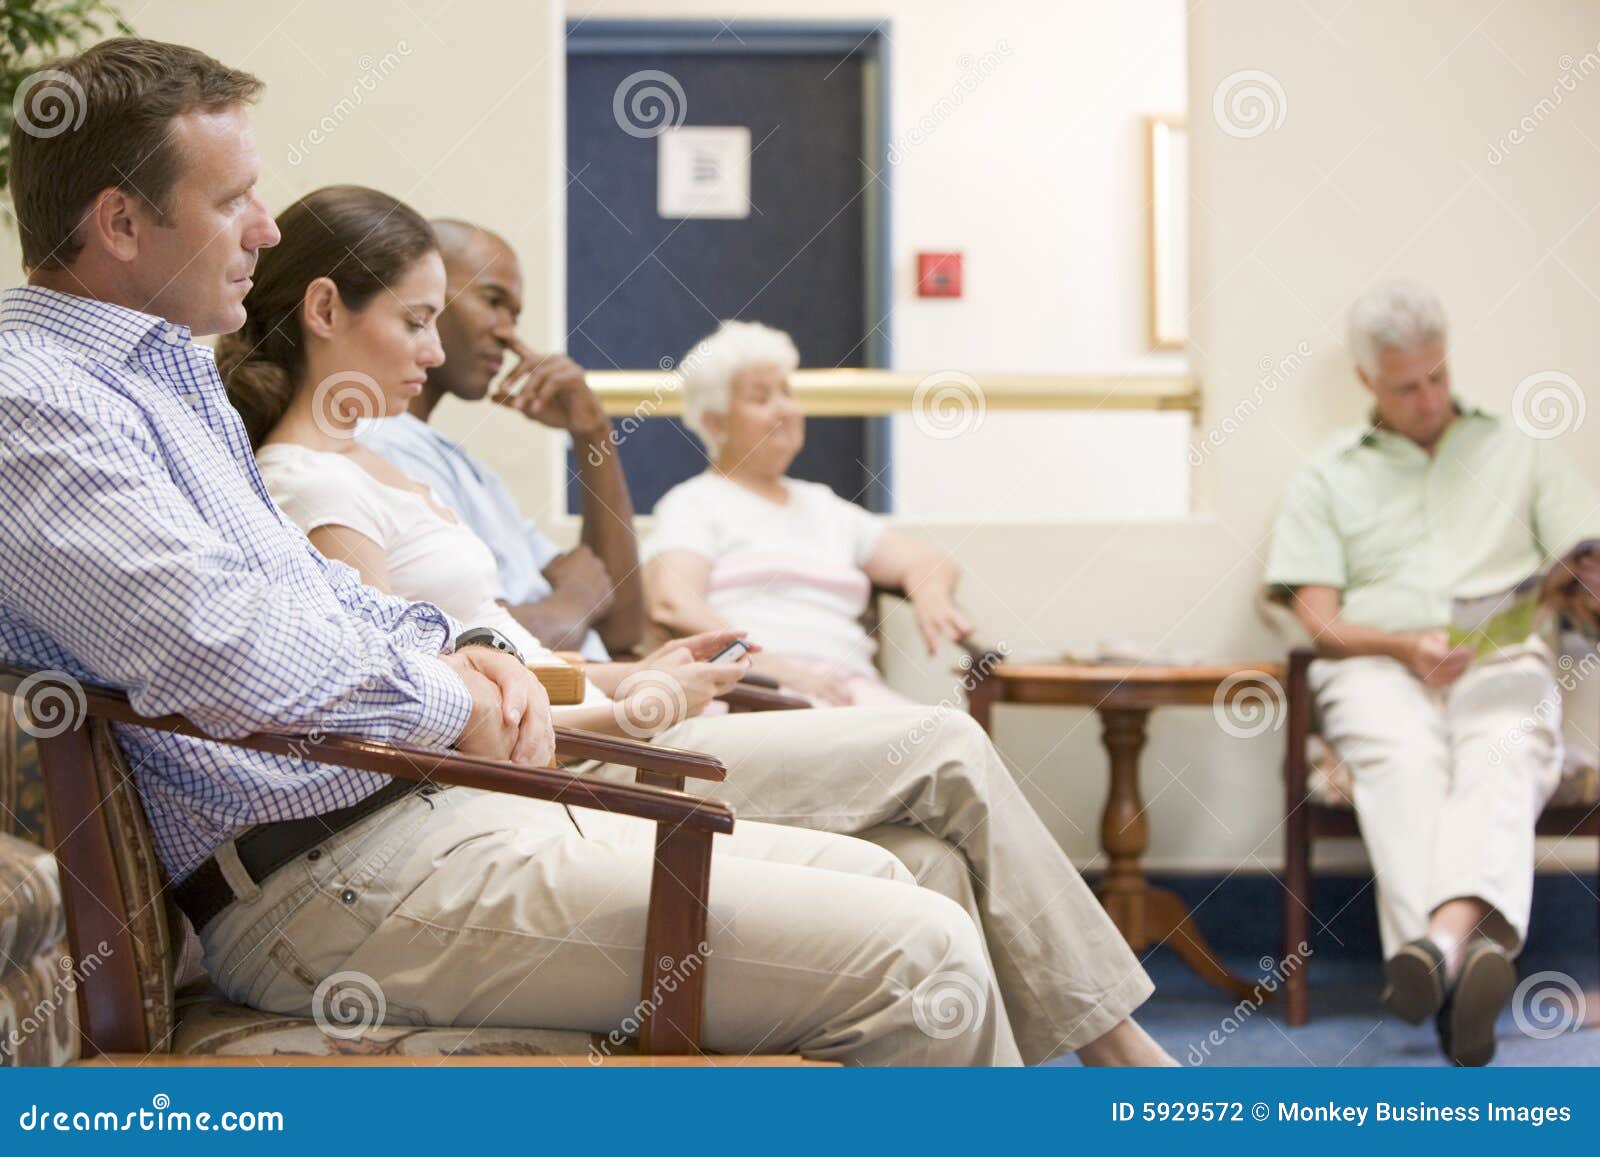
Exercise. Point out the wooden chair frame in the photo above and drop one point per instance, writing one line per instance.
(1306, 821)
(110, 999)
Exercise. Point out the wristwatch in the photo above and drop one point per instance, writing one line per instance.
(488, 637)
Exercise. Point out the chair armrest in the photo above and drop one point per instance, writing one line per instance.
(454, 767)
(675, 919)
(748, 697)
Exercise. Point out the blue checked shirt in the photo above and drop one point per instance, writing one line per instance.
(139, 548)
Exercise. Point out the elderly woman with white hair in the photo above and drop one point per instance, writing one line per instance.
(1452, 749)
(789, 561)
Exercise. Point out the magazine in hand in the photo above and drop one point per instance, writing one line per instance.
(1492, 623)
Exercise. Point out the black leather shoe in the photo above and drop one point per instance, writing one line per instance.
(1415, 976)
(1466, 1022)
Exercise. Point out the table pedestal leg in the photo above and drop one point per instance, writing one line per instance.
(1143, 914)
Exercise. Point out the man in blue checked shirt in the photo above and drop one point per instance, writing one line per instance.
(140, 549)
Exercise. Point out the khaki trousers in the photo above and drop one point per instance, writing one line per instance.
(470, 908)
(1447, 782)
(888, 773)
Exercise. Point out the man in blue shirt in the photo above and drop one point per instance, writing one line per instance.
(590, 599)
(140, 549)
(924, 782)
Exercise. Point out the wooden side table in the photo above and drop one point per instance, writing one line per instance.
(1124, 697)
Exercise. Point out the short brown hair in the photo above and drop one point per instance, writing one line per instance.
(102, 120)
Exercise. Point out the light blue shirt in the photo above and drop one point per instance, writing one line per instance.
(140, 549)
(481, 500)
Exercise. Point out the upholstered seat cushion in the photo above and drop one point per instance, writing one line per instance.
(210, 1026)
(1328, 779)
(38, 1021)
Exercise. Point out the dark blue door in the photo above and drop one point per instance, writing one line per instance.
(642, 288)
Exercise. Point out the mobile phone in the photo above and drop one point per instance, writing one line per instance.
(732, 653)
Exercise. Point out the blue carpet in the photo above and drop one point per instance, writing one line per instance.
(1241, 917)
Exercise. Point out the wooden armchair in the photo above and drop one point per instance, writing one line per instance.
(117, 916)
(1318, 806)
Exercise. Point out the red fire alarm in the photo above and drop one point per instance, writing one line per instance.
(938, 275)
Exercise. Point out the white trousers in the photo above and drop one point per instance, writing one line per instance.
(1447, 782)
(476, 909)
(926, 782)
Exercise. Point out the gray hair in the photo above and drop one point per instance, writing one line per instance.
(709, 368)
(1396, 313)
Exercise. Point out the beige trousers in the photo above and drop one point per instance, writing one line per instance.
(1447, 782)
(888, 773)
(469, 908)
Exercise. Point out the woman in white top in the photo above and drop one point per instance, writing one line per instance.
(378, 312)
(324, 348)
(790, 561)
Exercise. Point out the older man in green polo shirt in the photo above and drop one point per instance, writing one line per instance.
(1452, 754)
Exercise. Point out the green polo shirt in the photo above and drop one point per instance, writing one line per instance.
(1401, 534)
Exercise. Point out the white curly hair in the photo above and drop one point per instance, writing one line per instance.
(1396, 313)
(709, 368)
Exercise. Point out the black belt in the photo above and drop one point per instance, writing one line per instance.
(204, 892)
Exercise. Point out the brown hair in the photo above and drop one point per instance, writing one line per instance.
(361, 239)
(102, 120)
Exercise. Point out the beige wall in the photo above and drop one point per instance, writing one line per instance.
(1381, 163)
